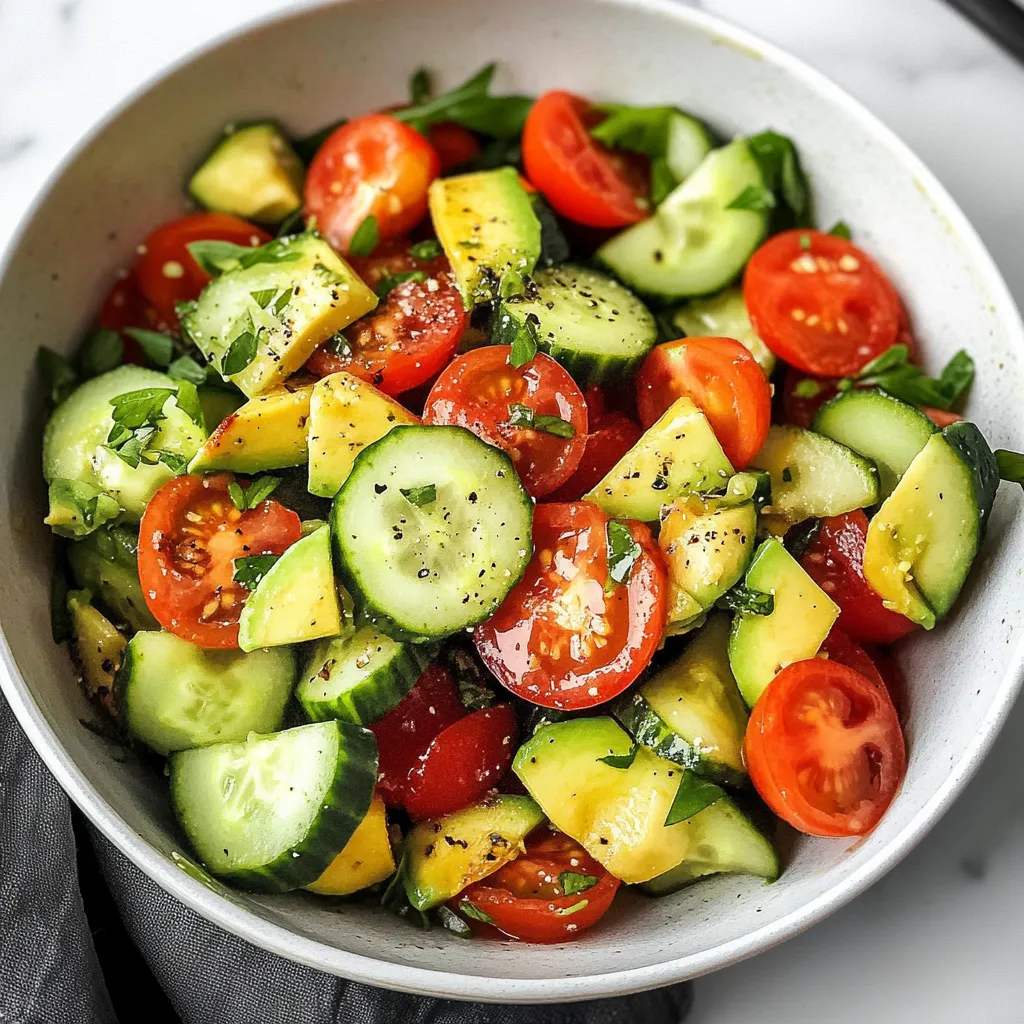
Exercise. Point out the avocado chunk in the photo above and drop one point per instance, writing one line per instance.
(345, 415)
(366, 859)
(96, 647)
(761, 646)
(77, 508)
(724, 316)
(922, 541)
(678, 454)
(486, 225)
(253, 172)
(617, 814)
(267, 432)
(443, 856)
(296, 600)
(290, 295)
(691, 712)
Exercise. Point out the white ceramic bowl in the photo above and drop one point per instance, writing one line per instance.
(307, 69)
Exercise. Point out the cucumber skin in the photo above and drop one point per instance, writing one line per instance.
(342, 809)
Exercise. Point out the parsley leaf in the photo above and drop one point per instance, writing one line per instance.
(892, 373)
(258, 490)
(366, 237)
(237, 495)
(386, 285)
(140, 408)
(242, 350)
(57, 373)
(1010, 465)
(523, 416)
(692, 796)
(743, 599)
(573, 882)
(471, 910)
(215, 256)
(420, 496)
(840, 229)
(623, 551)
(754, 197)
(425, 251)
(777, 158)
(250, 570)
(187, 400)
(134, 424)
(186, 368)
(620, 760)
(158, 348)
(101, 351)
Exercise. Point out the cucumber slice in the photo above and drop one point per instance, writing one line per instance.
(420, 563)
(175, 696)
(723, 840)
(814, 476)
(693, 244)
(691, 712)
(922, 541)
(597, 329)
(762, 645)
(724, 316)
(689, 141)
(883, 429)
(272, 812)
(359, 677)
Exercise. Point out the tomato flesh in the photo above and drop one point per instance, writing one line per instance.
(560, 639)
(820, 303)
(724, 382)
(824, 748)
(614, 436)
(478, 391)
(189, 537)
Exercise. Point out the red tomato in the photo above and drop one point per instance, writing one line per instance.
(803, 396)
(478, 391)
(190, 535)
(167, 273)
(893, 677)
(835, 561)
(824, 748)
(724, 382)
(820, 303)
(560, 639)
(614, 436)
(840, 648)
(124, 307)
(574, 171)
(453, 144)
(408, 729)
(462, 763)
(410, 337)
(370, 166)
(941, 417)
(525, 898)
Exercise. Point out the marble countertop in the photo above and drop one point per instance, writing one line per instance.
(940, 938)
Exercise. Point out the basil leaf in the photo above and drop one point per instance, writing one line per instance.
(307, 146)
(450, 920)
(101, 351)
(957, 375)
(777, 158)
(425, 251)
(471, 910)
(895, 355)
(186, 368)
(893, 374)
(575, 908)
(386, 285)
(259, 490)
(692, 796)
(1010, 465)
(158, 348)
(237, 495)
(621, 761)
(366, 237)
(420, 496)
(840, 229)
(554, 247)
(215, 256)
(57, 373)
(187, 400)
(743, 599)
(524, 416)
(754, 197)
(623, 551)
(241, 352)
(573, 882)
(250, 570)
(419, 86)
(524, 342)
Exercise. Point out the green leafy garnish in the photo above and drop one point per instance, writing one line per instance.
(187, 399)
(135, 418)
(259, 490)
(754, 197)
(692, 796)
(425, 251)
(215, 256)
(78, 508)
(779, 163)
(242, 350)
(386, 285)
(58, 374)
(743, 599)
(1010, 465)
(250, 570)
(524, 341)
(554, 246)
(893, 373)
(158, 348)
(420, 496)
(419, 86)
(573, 882)
(840, 229)
(471, 910)
(807, 388)
(101, 351)
(805, 242)
(523, 416)
(470, 677)
(276, 299)
(623, 551)
(450, 920)
(621, 761)
(575, 908)
(186, 368)
(366, 237)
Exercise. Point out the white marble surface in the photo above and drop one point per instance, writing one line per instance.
(940, 939)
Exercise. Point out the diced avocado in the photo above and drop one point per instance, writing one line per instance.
(296, 293)
(684, 612)
(97, 648)
(106, 563)
(678, 454)
(691, 712)
(253, 172)
(922, 541)
(486, 225)
(442, 857)
(218, 404)
(366, 860)
(268, 432)
(345, 415)
(762, 645)
(77, 508)
(296, 600)
(724, 316)
(617, 814)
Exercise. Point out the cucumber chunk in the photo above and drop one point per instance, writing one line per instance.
(689, 141)
(366, 859)
(762, 645)
(272, 812)
(724, 316)
(431, 531)
(173, 695)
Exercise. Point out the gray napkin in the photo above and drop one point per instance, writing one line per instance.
(50, 973)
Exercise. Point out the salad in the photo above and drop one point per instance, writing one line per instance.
(490, 502)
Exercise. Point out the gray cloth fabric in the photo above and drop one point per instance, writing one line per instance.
(50, 974)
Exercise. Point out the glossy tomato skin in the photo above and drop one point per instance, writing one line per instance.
(453, 144)
(411, 336)
(724, 382)
(835, 561)
(838, 647)
(405, 733)
(371, 166)
(613, 436)
(824, 748)
(525, 900)
(820, 303)
(189, 536)
(166, 272)
(941, 417)
(560, 639)
(462, 763)
(477, 391)
(575, 172)
(892, 675)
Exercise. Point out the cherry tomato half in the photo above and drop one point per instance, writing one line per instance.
(724, 382)
(835, 561)
(824, 748)
(166, 272)
(575, 172)
(561, 639)
(893, 677)
(371, 166)
(411, 336)
(614, 435)
(462, 763)
(453, 144)
(820, 303)
(190, 535)
(838, 647)
(481, 390)
(526, 897)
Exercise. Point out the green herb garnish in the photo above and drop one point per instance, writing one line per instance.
(366, 237)
(251, 569)
(573, 882)
(523, 416)
(692, 796)
(754, 197)
(158, 348)
(386, 285)
(744, 599)
(623, 551)
(420, 496)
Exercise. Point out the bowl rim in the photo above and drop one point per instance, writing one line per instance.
(369, 970)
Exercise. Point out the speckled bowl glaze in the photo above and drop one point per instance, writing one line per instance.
(306, 69)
